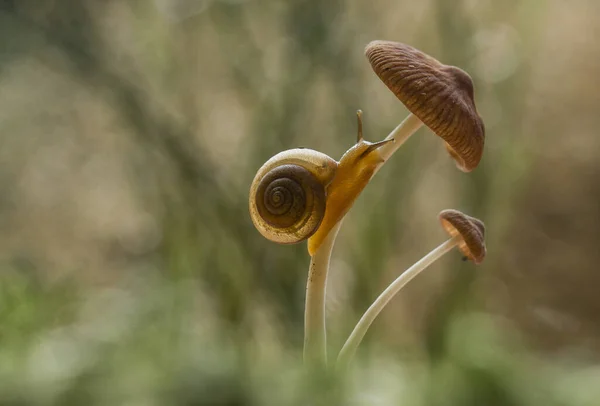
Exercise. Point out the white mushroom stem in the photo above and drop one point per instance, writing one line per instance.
(315, 343)
(400, 134)
(361, 328)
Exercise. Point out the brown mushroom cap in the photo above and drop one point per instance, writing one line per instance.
(441, 96)
(471, 230)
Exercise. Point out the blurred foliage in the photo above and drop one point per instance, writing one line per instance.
(130, 272)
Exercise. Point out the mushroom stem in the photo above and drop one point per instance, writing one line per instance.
(400, 134)
(315, 344)
(361, 328)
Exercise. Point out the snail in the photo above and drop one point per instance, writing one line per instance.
(301, 193)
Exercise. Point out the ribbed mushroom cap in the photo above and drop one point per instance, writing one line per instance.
(441, 96)
(471, 230)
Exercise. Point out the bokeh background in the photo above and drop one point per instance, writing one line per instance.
(130, 272)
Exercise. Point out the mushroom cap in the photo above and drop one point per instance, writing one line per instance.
(471, 231)
(441, 96)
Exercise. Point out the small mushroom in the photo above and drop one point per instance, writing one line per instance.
(470, 230)
(437, 95)
(466, 232)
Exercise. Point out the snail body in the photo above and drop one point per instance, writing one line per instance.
(355, 169)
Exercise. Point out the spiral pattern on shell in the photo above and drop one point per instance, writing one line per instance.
(288, 197)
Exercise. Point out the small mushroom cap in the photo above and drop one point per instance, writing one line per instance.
(441, 96)
(471, 230)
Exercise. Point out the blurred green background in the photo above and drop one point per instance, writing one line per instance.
(130, 272)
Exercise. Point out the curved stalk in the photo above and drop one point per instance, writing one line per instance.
(315, 343)
(361, 328)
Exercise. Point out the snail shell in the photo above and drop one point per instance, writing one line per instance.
(288, 194)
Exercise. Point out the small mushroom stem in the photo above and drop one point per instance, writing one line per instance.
(315, 343)
(400, 134)
(361, 328)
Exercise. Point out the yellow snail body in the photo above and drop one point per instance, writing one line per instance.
(354, 171)
(302, 194)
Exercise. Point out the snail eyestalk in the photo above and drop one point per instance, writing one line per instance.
(359, 136)
(378, 145)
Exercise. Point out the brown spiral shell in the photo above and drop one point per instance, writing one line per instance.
(441, 96)
(288, 195)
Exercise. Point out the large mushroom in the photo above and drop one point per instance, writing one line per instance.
(466, 232)
(437, 95)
